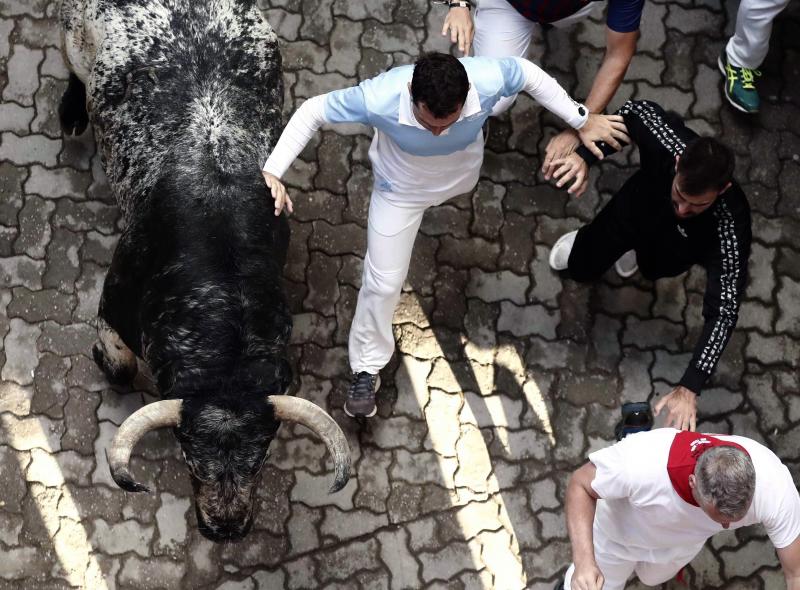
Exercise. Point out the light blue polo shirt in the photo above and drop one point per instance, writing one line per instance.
(378, 102)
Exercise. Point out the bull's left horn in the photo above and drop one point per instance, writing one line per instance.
(294, 409)
(156, 415)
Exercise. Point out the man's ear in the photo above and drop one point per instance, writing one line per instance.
(692, 481)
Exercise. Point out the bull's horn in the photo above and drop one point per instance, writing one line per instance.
(156, 415)
(294, 409)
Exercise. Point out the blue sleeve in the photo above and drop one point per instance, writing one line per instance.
(624, 15)
(346, 106)
(513, 76)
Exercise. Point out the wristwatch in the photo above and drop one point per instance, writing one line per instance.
(455, 3)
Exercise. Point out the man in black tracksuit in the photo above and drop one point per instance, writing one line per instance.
(680, 208)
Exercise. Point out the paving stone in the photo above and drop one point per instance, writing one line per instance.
(65, 182)
(771, 349)
(322, 283)
(13, 464)
(422, 272)
(348, 525)
(391, 37)
(452, 559)
(30, 149)
(80, 421)
(652, 333)
(500, 559)
(468, 253)
(22, 69)
(261, 549)
(152, 572)
(401, 562)
(16, 118)
(409, 502)
(305, 55)
(488, 210)
(285, 24)
(310, 84)
(342, 563)
(449, 288)
(37, 306)
(34, 230)
(344, 48)
(63, 262)
(497, 286)
(528, 320)
(313, 490)
(445, 220)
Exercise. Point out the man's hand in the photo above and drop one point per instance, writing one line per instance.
(459, 22)
(572, 166)
(587, 577)
(559, 147)
(278, 193)
(607, 128)
(682, 405)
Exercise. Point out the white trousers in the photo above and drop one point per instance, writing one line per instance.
(392, 229)
(749, 45)
(616, 571)
(501, 31)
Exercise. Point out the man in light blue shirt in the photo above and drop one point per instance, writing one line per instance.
(427, 148)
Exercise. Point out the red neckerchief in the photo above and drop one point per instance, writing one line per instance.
(684, 452)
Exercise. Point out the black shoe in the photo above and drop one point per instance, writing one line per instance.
(360, 401)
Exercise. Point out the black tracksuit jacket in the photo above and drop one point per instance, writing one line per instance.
(640, 216)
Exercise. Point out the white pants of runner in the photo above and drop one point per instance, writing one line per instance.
(392, 229)
(501, 31)
(749, 45)
(616, 571)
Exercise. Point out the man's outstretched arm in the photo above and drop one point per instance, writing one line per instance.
(340, 106)
(790, 563)
(620, 48)
(581, 503)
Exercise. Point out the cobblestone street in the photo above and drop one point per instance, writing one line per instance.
(505, 376)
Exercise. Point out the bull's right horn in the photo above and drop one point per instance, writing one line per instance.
(294, 409)
(156, 415)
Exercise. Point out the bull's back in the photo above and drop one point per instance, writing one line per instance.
(175, 83)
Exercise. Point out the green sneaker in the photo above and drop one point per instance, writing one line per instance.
(740, 87)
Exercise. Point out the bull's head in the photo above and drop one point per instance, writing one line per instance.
(225, 451)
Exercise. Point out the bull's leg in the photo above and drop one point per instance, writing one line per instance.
(111, 354)
(72, 110)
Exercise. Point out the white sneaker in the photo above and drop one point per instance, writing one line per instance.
(559, 255)
(627, 266)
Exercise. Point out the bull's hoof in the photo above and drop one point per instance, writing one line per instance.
(72, 123)
(72, 109)
(117, 374)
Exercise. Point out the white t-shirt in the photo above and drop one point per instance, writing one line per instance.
(642, 518)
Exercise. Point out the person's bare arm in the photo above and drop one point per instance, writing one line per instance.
(790, 562)
(620, 48)
(581, 503)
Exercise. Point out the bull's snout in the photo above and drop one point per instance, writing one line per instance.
(222, 529)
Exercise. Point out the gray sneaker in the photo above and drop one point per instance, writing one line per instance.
(360, 402)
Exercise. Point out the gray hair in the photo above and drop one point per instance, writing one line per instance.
(726, 479)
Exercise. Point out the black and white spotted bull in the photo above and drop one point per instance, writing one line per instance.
(185, 100)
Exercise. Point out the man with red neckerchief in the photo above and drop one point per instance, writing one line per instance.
(647, 505)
